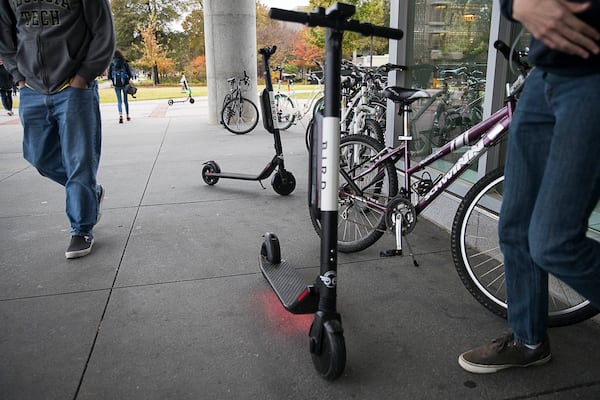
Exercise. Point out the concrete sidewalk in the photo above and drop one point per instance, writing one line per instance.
(171, 303)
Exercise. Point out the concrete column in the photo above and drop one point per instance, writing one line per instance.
(230, 39)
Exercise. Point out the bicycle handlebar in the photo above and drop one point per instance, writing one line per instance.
(269, 50)
(505, 50)
(319, 18)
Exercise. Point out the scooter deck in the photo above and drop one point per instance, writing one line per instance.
(296, 296)
(233, 175)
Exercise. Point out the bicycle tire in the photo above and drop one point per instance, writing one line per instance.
(286, 112)
(380, 112)
(226, 100)
(374, 130)
(479, 262)
(361, 220)
(319, 106)
(239, 115)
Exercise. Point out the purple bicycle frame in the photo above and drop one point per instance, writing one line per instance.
(486, 134)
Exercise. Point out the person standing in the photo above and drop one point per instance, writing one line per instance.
(120, 74)
(552, 178)
(6, 89)
(54, 51)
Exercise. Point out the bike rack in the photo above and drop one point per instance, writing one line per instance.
(326, 336)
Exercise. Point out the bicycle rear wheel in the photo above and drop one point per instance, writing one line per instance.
(239, 115)
(286, 113)
(361, 215)
(480, 264)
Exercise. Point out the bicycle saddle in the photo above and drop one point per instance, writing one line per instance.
(288, 76)
(403, 95)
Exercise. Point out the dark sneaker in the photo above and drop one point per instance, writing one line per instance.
(503, 353)
(100, 199)
(79, 246)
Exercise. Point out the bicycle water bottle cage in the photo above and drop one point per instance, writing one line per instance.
(403, 95)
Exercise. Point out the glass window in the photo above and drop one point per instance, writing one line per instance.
(448, 57)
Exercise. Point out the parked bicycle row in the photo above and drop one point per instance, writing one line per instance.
(381, 190)
(454, 106)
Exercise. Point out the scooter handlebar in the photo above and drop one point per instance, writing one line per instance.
(334, 21)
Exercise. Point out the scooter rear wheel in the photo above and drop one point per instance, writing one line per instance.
(283, 188)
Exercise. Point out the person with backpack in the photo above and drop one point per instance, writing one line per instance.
(120, 73)
(6, 89)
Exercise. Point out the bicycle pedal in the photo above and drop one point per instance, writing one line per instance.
(390, 253)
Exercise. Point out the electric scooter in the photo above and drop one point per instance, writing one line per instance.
(326, 337)
(188, 98)
(283, 182)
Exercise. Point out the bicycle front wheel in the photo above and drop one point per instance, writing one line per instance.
(366, 185)
(286, 113)
(480, 264)
(239, 115)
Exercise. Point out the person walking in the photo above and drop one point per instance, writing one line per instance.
(6, 89)
(552, 178)
(54, 51)
(120, 74)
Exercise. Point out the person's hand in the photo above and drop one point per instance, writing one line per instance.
(79, 82)
(21, 84)
(555, 23)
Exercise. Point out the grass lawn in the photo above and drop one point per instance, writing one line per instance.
(107, 94)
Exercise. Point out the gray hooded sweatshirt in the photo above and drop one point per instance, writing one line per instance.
(48, 42)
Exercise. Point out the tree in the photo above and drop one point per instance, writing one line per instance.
(197, 68)
(131, 16)
(270, 32)
(376, 12)
(154, 57)
(305, 53)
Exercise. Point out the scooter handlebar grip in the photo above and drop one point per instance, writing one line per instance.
(287, 15)
(384, 32)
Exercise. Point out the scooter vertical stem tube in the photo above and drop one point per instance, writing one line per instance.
(329, 174)
(266, 55)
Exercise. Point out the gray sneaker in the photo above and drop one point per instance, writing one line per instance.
(503, 353)
(79, 246)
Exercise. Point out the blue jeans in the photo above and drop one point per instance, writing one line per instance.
(121, 92)
(62, 140)
(552, 184)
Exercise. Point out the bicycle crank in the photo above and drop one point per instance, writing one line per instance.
(400, 209)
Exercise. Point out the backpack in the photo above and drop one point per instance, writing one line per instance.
(119, 77)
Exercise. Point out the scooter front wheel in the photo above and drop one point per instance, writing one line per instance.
(192, 100)
(330, 359)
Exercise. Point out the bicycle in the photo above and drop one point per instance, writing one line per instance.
(239, 115)
(371, 202)
(289, 111)
(362, 109)
(449, 119)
